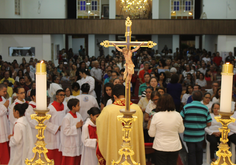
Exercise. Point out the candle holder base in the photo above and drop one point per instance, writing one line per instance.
(223, 153)
(126, 153)
(40, 151)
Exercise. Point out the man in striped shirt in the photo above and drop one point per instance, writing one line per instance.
(196, 117)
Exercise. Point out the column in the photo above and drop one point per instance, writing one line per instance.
(155, 39)
(197, 40)
(155, 9)
(47, 47)
(175, 43)
(112, 9)
(112, 37)
(91, 45)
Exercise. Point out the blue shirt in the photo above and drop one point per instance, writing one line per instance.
(190, 99)
(195, 116)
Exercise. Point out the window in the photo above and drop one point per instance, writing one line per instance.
(176, 5)
(88, 9)
(187, 5)
(82, 5)
(94, 5)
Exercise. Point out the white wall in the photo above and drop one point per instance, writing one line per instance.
(164, 40)
(42, 44)
(57, 39)
(209, 42)
(220, 9)
(226, 43)
(101, 38)
(30, 9)
(164, 9)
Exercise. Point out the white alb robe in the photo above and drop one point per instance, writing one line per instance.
(29, 111)
(66, 101)
(86, 102)
(71, 144)
(89, 145)
(11, 116)
(52, 136)
(21, 142)
(54, 87)
(4, 122)
(91, 81)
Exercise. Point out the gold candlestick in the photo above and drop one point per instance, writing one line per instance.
(223, 153)
(40, 151)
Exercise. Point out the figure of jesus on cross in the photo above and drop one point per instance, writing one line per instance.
(129, 65)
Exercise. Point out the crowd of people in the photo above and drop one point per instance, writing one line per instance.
(183, 86)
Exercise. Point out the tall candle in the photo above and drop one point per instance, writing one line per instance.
(41, 86)
(226, 88)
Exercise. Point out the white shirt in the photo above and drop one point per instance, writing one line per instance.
(86, 102)
(71, 144)
(87, 63)
(185, 98)
(215, 100)
(202, 83)
(206, 60)
(29, 111)
(109, 102)
(90, 80)
(185, 73)
(97, 73)
(52, 135)
(165, 127)
(21, 142)
(4, 122)
(232, 126)
(151, 105)
(214, 125)
(203, 70)
(89, 145)
(52, 90)
(209, 105)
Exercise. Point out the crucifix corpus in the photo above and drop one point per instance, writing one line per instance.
(127, 52)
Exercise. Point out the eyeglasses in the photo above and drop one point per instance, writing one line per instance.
(61, 95)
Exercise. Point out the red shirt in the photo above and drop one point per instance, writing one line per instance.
(217, 60)
(141, 74)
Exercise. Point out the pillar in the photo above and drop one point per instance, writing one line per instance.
(47, 47)
(175, 42)
(91, 45)
(155, 9)
(197, 41)
(112, 9)
(155, 39)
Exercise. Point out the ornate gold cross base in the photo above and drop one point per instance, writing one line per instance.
(40, 151)
(223, 153)
(126, 153)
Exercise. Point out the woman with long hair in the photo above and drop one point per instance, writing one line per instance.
(189, 90)
(201, 81)
(162, 80)
(153, 83)
(107, 98)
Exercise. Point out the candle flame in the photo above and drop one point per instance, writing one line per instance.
(227, 62)
(41, 61)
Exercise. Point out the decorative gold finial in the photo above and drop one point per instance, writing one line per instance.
(128, 22)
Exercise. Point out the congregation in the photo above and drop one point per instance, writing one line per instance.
(181, 86)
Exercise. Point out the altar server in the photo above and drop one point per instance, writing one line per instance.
(29, 112)
(89, 138)
(21, 141)
(52, 133)
(86, 101)
(4, 127)
(19, 100)
(71, 144)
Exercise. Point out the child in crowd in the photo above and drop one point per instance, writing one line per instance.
(19, 100)
(29, 112)
(89, 138)
(21, 141)
(52, 133)
(71, 144)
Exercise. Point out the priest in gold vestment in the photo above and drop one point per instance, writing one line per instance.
(109, 130)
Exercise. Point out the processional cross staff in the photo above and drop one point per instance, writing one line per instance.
(127, 52)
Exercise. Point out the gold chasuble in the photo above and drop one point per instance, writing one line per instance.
(109, 131)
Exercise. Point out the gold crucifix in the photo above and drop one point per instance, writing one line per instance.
(127, 52)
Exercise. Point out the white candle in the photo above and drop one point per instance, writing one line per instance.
(41, 86)
(226, 88)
